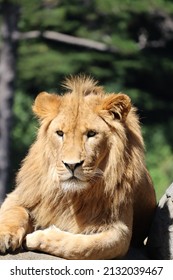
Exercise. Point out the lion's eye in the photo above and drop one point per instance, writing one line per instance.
(60, 133)
(91, 133)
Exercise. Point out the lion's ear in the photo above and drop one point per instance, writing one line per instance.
(118, 105)
(46, 105)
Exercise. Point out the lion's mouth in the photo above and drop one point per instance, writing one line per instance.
(75, 179)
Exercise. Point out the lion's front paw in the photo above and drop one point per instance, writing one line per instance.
(40, 239)
(34, 240)
(10, 238)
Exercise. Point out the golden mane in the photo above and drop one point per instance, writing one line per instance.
(82, 85)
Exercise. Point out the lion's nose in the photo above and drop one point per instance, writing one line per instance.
(72, 166)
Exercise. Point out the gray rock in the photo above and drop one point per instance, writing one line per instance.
(133, 254)
(27, 255)
(160, 240)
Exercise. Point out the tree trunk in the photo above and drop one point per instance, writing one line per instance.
(7, 77)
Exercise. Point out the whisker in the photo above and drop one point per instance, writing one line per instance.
(98, 173)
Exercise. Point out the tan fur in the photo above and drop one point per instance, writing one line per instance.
(96, 138)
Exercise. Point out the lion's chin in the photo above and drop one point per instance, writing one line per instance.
(74, 185)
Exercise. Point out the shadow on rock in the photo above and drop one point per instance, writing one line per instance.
(160, 240)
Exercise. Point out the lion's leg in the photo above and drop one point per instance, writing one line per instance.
(112, 243)
(14, 225)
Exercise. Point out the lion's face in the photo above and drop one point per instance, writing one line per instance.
(79, 142)
(79, 132)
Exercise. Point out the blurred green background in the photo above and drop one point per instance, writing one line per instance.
(137, 60)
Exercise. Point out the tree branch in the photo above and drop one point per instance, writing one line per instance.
(143, 43)
(67, 39)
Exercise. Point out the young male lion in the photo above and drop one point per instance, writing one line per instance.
(83, 191)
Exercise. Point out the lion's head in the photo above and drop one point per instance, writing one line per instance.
(88, 136)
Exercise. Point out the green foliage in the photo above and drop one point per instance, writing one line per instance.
(145, 73)
(24, 122)
(23, 132)
(159, 157)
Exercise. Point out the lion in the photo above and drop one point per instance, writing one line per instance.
(83, 190)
